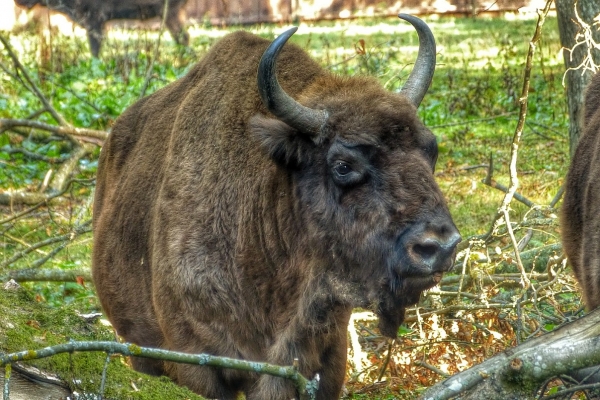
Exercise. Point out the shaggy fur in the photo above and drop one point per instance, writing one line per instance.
(220, 229)
(93, 14)
(581, 205)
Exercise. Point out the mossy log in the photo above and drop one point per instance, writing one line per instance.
(518, 372)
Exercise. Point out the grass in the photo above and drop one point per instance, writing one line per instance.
(471, 107)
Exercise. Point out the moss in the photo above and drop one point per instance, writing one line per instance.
(27, 325)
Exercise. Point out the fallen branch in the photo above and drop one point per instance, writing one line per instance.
(306, 388)
(518, 372)
(13, 197)
(90, 135)
(46, 275)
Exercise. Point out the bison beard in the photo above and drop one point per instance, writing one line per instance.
(580, 217)
(247, 219)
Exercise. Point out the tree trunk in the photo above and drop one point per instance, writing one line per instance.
(571, 30)
(517, 373)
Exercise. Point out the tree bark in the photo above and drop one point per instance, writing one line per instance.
(517, 373)
(575, 51)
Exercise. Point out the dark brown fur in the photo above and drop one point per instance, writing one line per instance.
(581, 205)
(93, 14)
(219, 229)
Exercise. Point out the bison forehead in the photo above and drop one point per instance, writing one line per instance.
(361, 111)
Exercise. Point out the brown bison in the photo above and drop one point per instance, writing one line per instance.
(93, 14)
(247, 217)
(581, 206)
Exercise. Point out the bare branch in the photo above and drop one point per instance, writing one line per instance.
(156, 49)
(306, 388)
(46, 275)
(90, 135)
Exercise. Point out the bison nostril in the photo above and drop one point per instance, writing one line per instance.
(426, 250)
(435, 252)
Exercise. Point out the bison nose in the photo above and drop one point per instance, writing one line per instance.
(435, 249)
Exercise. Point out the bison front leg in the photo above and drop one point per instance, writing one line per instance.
(176, 28)
(210, 382)
(318, 352)
(95, 35)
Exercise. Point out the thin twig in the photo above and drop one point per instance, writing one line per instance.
(492, 183)
(558, 196)
(387, 359)
(104, 373)
(46, 200)
(7, 375)
(156, 50)
(569, 391)
(78, 230)
(432, 368)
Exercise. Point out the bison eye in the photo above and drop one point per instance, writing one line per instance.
(345, 175)
(342, 169)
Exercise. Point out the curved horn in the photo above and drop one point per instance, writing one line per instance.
(421, 75)
(277, 100)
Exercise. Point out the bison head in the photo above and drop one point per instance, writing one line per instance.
(362, 164)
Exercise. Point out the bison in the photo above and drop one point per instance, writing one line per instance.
(580, 214)
(245, 214)
(93, 14)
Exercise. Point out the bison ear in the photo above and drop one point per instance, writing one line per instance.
(283, 143)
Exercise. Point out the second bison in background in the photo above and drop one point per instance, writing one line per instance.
(245, 215)
(581, 206)
(93, 14)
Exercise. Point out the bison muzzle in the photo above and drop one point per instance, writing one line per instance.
(93, 14)
(247, 217)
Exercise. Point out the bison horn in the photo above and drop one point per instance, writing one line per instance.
(277, 101)
(420, 77)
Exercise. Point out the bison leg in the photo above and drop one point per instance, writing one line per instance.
(212, 383)
(322, 353)
(95, 36)
(148, 366)
(176, 28)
